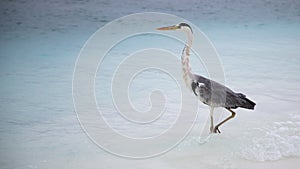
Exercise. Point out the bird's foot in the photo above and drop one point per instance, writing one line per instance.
(216, 130)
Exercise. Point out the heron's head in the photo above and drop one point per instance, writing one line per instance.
(182, 26)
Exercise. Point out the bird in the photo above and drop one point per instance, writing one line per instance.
(206, 90)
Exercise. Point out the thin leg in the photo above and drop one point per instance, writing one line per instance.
(211, 119)
(216, 129)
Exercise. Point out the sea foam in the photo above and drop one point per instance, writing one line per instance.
(280, 140)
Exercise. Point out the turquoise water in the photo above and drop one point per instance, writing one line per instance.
(258, 46)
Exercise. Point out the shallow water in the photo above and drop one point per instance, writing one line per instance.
(259, 51)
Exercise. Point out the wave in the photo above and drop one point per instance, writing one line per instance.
(280, 140)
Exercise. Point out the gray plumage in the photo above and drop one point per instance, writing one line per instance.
(217, 95)
(208, 91)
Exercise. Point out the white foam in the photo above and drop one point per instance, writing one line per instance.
(281, 139)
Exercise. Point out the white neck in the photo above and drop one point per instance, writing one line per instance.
(185, 58)
(189, 38)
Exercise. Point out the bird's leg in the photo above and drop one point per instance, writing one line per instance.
(211, 119)
(216, 129)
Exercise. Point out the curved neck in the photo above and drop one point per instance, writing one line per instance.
(189, 39)
(185, 59)
(189, 42)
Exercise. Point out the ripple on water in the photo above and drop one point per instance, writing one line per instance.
(280, 140)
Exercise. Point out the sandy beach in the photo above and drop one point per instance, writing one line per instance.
(257, 44)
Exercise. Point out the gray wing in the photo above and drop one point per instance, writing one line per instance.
(218, 95)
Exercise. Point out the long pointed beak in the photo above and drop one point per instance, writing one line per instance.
(168, 28)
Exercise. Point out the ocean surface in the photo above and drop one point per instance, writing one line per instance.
(257, 44)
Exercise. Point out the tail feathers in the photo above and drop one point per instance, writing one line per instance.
(245, 102)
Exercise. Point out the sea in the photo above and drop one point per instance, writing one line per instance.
(47, 120)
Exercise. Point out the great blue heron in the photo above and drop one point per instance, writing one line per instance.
(208, 91)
